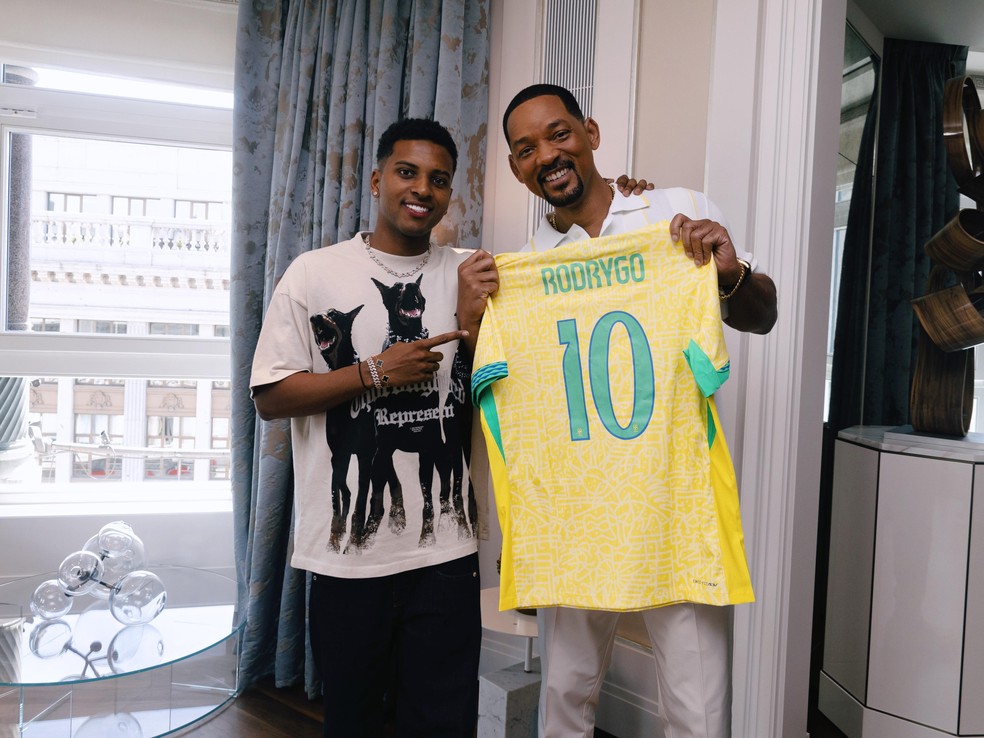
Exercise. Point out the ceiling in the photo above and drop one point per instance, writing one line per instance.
(942, 21)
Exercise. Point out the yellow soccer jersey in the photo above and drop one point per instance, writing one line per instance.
(594, 374)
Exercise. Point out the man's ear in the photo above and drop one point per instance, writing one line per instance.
(594, 133)
(374, 181)
(514, 168)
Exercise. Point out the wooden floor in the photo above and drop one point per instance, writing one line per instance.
(263, 711)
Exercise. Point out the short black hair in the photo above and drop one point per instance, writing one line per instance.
(416, 129)
(539, 90)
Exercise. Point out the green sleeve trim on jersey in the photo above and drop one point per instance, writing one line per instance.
(483, 377)
(711, 427)
(491, 414)
(709, 378)
(481, 387)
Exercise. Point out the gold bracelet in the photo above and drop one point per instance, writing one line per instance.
(745, 269)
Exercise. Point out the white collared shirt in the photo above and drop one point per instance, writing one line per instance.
(631, 212)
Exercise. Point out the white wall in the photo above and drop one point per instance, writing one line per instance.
(772, 151)
(36, 544)
(672, 91)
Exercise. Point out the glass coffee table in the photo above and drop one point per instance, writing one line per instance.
(85, 675)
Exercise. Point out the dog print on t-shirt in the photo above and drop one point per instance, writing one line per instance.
(428, 420)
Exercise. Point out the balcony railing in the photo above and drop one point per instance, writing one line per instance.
(85, 231)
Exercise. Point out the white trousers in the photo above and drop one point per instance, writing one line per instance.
(693, 668)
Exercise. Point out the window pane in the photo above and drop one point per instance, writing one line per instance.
(857, 88)
(103, 429)
(101, 326)
(174, 433)
(173, 329)
(95, 435)
(45, 325)
(103, 279)
(103, 238)
(219, 468)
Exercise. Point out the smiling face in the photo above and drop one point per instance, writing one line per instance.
(414, 185)
(551, 151)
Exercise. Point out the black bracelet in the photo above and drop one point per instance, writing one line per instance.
(361, 380)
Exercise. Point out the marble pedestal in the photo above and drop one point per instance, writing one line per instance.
(904, 632)
(507, 701)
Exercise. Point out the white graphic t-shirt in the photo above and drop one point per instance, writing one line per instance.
(380, 483)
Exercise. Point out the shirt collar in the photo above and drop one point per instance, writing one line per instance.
(547, 238)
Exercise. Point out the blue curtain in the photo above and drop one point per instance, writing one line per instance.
(317, 81)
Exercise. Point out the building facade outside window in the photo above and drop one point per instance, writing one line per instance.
(121, 233)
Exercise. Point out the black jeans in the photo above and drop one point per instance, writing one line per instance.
(416, 635)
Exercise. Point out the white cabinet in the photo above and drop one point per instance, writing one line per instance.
(904, 632)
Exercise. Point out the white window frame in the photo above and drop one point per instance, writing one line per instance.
(30, 110)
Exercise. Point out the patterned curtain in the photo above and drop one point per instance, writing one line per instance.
(317, 81)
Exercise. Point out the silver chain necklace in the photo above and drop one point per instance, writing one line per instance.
(400, 275)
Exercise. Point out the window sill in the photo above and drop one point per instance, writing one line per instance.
(123, 500)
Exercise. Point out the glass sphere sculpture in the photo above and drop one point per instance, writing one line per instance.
(115, 725)
(50, 601)
(135, 647)
(137, 598)
(117, 566)
(118, 539)
(51, 639)
(80, 572)
(109, 567)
